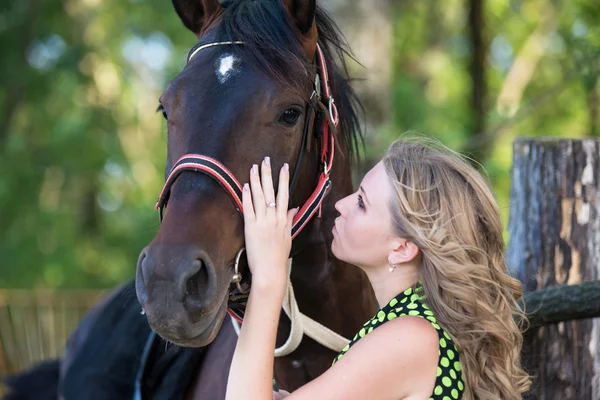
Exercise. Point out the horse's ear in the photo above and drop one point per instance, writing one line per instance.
(196, 14)
(302, 13)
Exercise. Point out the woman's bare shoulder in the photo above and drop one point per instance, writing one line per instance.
(399, 357)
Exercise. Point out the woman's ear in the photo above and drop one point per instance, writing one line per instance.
(403, 251)
(196, 14)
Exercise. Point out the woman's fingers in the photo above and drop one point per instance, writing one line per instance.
(290, 217)
(247, 204)
(263, 193)
(267, 182)
(283, 192)
(258, 197)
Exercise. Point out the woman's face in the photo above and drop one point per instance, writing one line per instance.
(362, 234)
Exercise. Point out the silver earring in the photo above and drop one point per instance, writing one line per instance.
(392, 268)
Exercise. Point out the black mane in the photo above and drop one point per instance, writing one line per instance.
(271, 44)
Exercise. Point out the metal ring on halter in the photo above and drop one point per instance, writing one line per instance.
(237, 276)
(271, 204)
(333, 118)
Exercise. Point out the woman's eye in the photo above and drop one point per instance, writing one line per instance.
(290, 117)
(360, 202)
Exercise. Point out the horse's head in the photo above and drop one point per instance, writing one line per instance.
(243, 95)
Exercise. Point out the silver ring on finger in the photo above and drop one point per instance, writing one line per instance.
(271, 204)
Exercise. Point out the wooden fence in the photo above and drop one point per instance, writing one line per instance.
(35, 324)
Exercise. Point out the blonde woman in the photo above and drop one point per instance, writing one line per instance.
(425, 228)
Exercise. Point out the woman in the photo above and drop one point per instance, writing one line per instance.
(425, 228)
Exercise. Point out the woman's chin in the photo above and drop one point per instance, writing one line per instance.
(334, 249)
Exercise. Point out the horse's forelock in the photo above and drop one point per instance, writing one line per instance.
(270, 42)
(271, 45)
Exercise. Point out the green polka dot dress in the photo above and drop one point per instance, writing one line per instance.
(449, 383)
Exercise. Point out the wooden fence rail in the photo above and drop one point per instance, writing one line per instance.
(35, 324)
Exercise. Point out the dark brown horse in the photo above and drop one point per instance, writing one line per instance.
(237, 103)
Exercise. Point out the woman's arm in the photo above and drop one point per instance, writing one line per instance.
(251, 374)
(267, 232)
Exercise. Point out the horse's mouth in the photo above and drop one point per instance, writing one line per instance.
(197, 334)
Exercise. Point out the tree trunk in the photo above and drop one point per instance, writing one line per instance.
(478, 82)
(554, 241)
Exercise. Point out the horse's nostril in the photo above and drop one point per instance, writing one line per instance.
(197, 282)
(141, 265)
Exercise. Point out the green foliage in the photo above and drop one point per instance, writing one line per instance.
(542, 68)
(82, 150)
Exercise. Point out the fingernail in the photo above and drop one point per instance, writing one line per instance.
(246, 187)
(267, 161)
(286, 167)
(255, 169)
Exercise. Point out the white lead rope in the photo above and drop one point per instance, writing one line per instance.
(302, 325)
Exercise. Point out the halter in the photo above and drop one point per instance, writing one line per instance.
(220, 173)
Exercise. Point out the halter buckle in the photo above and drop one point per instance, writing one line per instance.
(314, 100)
(318, 86)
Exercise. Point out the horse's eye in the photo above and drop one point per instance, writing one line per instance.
(289, 117)
(162, 110)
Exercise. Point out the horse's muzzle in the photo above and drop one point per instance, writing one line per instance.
(177, 289)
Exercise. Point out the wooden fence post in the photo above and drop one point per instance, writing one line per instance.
(555, 240)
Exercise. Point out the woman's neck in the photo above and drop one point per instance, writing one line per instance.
(387, 285)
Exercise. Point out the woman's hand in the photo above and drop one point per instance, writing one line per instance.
(268, 232)
(267, 225)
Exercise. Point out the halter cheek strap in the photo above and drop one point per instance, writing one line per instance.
(216, 170)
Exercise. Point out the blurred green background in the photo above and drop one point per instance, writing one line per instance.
(82, 150)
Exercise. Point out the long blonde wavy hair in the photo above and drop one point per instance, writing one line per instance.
(443, 205)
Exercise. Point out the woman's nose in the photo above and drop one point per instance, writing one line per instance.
(339, 206)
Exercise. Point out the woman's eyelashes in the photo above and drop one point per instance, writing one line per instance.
(360, 202)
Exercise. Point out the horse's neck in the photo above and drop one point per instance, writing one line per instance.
(328, 290)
